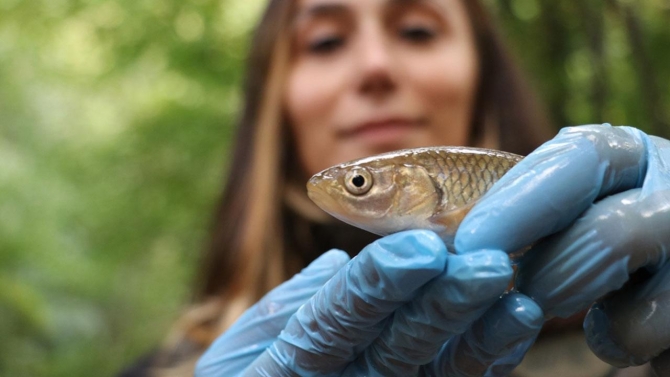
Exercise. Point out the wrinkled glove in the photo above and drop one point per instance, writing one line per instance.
(594, 203)
(402, 307)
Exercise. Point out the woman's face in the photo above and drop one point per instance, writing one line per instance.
(371, 76)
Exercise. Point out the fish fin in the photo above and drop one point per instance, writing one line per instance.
(452, 218)
(449, 220)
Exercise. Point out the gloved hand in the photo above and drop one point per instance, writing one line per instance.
(594, 203)
(402, 307)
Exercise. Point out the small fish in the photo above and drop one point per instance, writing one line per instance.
(425, 188)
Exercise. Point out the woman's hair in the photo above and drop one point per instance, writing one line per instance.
(264, 230)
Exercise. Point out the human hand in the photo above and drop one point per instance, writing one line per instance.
(403, 306)
(595, 204)
(259, 326)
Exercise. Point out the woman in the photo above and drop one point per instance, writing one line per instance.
(331, 81)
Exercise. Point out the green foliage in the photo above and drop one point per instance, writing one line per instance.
(115, 117)
(595, 61)
(115, 121)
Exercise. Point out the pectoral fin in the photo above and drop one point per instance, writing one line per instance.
(449, 220)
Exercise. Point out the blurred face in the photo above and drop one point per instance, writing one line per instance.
(371, 76)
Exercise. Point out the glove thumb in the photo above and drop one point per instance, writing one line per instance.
(260, 325)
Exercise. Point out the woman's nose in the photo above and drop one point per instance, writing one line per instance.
(376, 66)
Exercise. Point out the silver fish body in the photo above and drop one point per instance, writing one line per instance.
(425, 188)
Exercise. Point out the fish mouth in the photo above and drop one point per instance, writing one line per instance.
(316, 192)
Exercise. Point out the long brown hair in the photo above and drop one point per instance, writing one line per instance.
(260, 236)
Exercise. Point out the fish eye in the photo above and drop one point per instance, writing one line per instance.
(358, 181)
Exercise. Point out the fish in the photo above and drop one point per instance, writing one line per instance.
(422, 188)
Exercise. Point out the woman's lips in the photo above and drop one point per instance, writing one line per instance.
(382, 131)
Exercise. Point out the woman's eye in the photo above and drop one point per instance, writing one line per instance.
(417, 34)
(326, 45)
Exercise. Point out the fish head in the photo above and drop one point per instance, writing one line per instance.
(382, 196)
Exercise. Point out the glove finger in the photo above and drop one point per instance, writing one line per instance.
(495, 344)
(445, 307)
(658, 178)
(260, 325)
(551, 187)
(505, 365)
(632, 326)
(568, 271)
(351, 310)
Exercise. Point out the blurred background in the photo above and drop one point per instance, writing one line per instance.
(115, 123)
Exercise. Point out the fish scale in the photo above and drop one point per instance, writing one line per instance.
(425, 188)
(458, 170)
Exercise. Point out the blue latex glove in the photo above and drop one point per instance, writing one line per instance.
(595, 204)
(402, 307)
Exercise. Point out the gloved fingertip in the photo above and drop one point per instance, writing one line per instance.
(419, 246)
(597, 330)
(493, 257)
(514, 319)
(493, 265)
(331, 260)
(468, 236)
(496, 341)
(312, 277)
(528, 317)
(473, 282)
(486, 225)
(393, 267)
